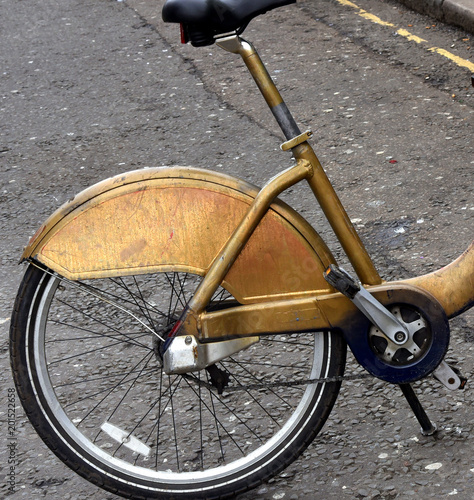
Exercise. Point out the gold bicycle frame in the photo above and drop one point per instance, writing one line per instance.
(314, 313)
(128, 207)
(307, 167)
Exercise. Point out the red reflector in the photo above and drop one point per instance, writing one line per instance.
(175, 328)
(184, 38)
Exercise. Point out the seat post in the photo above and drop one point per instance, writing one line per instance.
(259, 72)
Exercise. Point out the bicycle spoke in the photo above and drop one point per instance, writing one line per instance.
(108, 390)
(97, 334)
(95, 380)
(177, 291)
(175, 437)
(94, 319)
(254, 379)
(106, 367)
(216, 424)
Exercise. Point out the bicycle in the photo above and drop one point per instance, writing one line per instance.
(172, 360)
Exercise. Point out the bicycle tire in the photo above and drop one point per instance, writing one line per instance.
(89, 378)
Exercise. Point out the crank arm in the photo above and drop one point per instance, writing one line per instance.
(377, 314)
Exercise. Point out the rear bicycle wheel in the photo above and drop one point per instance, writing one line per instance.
(89, 375)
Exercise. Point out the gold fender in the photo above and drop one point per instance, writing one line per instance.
(177, 219)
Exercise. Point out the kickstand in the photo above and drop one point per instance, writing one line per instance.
(427, 428)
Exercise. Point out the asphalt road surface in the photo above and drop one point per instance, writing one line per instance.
(93, 88)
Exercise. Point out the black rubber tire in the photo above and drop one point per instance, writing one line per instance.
(63, 437)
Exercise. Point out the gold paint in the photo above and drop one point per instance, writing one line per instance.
(173, 219)
(256, 212)
(338, 218)
(317, 313)
(256, 67)
(292, 143)
(453, 285)
(293, 315)
(136, 247)
(317, 178)
(264, 253)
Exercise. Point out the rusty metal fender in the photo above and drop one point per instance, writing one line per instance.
(177, 219)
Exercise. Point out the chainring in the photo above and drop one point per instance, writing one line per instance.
(424, 349)
(416, 346)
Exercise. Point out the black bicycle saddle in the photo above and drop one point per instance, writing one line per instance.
(202, 20)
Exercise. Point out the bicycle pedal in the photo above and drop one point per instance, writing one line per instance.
(449, 376)
(342, 281)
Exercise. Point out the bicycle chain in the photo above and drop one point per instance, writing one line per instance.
(231, 389)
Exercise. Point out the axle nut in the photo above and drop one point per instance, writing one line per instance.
(400, 336)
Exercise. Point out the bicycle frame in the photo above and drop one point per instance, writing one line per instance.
(302, 309)
(452, 288)
(190, 267)
(302, 151)
(312, 313)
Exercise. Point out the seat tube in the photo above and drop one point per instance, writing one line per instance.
(338, 219)
(318, 181)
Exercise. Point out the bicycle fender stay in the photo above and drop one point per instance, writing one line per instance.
(141, 221)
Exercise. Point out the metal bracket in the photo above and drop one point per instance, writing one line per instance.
(299, 139)
(231, 43)
(187, 354)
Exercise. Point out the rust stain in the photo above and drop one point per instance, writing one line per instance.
(136, 248)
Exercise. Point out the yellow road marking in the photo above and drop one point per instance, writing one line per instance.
(409, 36)
(374, 19)
(458, 60)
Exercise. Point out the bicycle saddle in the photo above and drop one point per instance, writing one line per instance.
(202, 20)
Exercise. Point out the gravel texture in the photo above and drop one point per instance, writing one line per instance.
(90, 89)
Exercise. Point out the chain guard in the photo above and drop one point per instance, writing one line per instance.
(433, 316)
